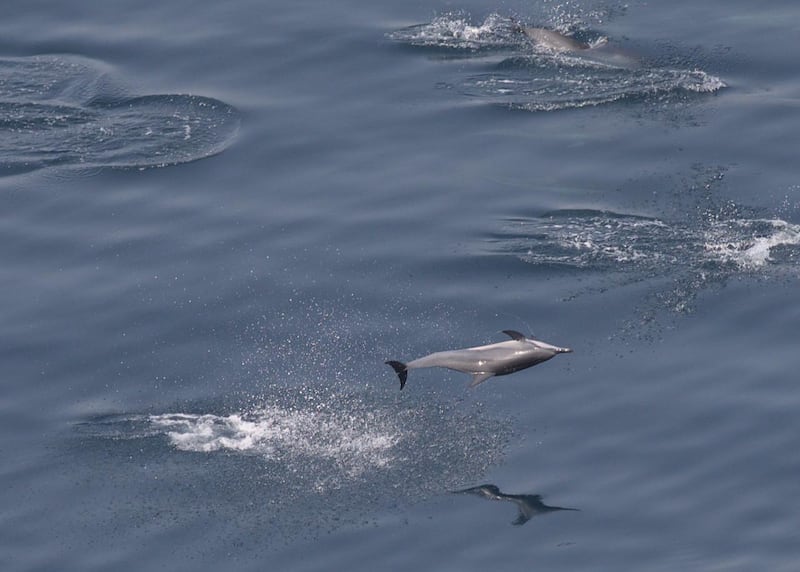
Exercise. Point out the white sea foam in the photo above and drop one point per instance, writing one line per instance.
(296, 445)
(702, 82)
(587, 239)
(749, 244)
(696, 254)
(456, 32)
(354, 442)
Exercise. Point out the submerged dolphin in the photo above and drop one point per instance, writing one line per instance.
(528, 505)
(600, 50)
(552, 40)
(484, 362)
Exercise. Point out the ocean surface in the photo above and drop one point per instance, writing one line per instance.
(219, 219)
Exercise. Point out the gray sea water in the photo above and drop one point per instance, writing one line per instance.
(219, 219)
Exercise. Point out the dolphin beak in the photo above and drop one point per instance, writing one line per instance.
(564, 350)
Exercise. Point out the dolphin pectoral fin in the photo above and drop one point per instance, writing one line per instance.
(401, 370)
(479, 378)
(514, 335)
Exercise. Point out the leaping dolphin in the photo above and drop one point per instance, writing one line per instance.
(528, 505)
(484, 362)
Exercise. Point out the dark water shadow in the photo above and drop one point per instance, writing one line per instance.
(528, 506)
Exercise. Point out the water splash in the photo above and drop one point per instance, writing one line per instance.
(355, 443)
(604, 241)
(314, 440)
(455, 32)
(305, 435)
(533, 77)
(751, 245)
(630, 248)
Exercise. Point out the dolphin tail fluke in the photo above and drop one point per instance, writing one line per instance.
(401, 370)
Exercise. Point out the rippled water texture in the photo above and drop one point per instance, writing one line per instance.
(602, 241)
(337, 454)
(193, 357)
(624, 247)
(71, 112)
(535, 77)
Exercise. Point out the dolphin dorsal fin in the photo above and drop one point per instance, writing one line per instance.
(514, 335)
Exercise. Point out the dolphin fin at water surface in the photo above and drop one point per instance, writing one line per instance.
(598, 49)
(483, 362)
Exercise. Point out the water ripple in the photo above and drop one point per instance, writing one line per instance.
(630, 248)
(537, 77)
(316, 440)
(69, 111)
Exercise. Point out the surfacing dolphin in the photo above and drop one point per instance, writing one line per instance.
(528, 505)
(559, 43)
(553, 40)
(484, 362)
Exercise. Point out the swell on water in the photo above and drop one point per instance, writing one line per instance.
(66, 111)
